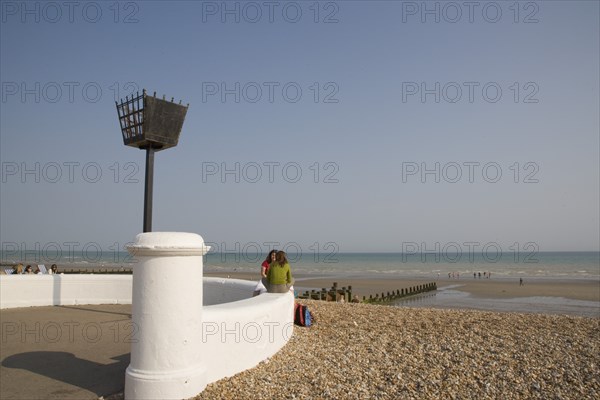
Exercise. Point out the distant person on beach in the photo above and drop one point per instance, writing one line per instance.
(28, 270)
(279, 276)
(520, 281)
(474, 275)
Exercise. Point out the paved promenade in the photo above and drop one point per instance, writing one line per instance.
(64, 352)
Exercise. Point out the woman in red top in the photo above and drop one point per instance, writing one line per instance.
(261, 286)
(265, 265)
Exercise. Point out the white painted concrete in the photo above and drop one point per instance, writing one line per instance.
(60, 290)
(226, 290)
(241, 334)
(73, 289)
(166, 359)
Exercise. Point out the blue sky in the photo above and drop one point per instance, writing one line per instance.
(359, 103)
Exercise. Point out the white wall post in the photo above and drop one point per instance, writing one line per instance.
(166, 355)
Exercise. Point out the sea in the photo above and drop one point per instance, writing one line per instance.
(530, 266)
(550, 265)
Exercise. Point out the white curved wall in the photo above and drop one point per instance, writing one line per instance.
(73, 289)
(222, 290)
(54, 290)
(243, 333)
(238, 330)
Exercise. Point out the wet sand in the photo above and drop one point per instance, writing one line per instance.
(538, 295)
(494, 288)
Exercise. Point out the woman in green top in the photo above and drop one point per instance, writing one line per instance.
(279, 275)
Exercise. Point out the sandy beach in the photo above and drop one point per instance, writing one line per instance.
(385, 352)
(549, 296)
(358, 351)
(489, 288)
(576, 289)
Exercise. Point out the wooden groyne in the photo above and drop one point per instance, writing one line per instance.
(398, 294)
(124, 271)
(333, 294)
(345, 294)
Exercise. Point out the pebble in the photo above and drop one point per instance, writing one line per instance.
(358, 351)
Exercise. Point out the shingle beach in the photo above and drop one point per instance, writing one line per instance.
(359, 351)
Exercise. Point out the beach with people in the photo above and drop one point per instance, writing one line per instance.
(352, 351)
(502, 335)
(471, 338)
(556, 283)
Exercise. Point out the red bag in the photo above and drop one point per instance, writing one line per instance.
(302, 317)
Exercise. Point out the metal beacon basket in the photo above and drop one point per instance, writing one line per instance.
(151, 124)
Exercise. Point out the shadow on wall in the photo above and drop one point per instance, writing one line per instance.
(100, 379)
